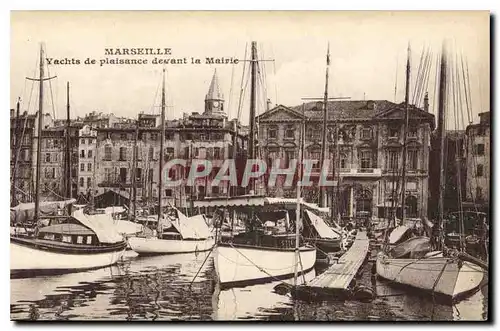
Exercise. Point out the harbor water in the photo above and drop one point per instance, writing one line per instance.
(162, 288)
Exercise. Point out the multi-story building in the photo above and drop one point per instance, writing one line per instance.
(53, 174)
(370, 142)
(22, 132)
(99, 120)
(207, 136)
(478, 142)
(86, 161)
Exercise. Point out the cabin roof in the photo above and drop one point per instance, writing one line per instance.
(68, 229)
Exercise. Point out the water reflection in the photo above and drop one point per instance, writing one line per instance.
(162, 288)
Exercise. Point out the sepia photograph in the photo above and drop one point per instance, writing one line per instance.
(250, 166)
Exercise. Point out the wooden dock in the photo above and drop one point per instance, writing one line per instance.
(337, 278)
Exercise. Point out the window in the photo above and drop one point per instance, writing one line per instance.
(169, 153)
(366, 159)
(313, 133)
(412, 160)
(82, 153)
(138, 174)
(481, 131)
(123, 136)
(151, 153)
(215, 190)
(66, 239)
(168, 192)
(290, 131)
(479, 170)
(81, 182)
(217, 153)
(82, 142)
(56, 143)
(107, 175)
(289, 155)
(89, 166)
(188, 189)
(107, 153)
(49, 236)
(412, 131)
(343, 161)
(366, 133)
(89, 182)
(272, 132)
(89, 240)
(79, 239)
(47, 157)
(393, 132)
(82, 166)
(89, 153)
(479, 149)
(316, 156)
(123, 175)
(392, 160)
(123, 154)
(154, 136)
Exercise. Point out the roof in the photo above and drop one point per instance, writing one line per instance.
(214, 92)
(352, 110)
(71, 229)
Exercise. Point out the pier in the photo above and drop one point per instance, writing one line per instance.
(336, 280)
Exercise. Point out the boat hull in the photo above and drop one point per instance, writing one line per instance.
(446, 277)
(242, 265)
(155, 246)
(26, 258)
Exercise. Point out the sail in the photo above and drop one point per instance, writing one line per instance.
(397, 234)
(101, 224)
(193, 227)
(321, 227)
(26, 211)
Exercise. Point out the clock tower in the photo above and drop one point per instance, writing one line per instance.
(214, 100)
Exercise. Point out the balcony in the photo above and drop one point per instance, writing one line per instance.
(119, 184)
(361, 172)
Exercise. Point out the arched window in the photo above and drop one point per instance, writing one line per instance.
(343, 161)
(123, 154)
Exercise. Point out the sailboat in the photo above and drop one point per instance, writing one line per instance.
(415, 263)
(257, 255)
(176, 233)
(60, 242)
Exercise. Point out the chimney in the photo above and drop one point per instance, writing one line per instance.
(269, 104)
(426, 102)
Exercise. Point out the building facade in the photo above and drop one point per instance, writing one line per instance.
(205, 136)
(370, 141)
(478, 152)
(86, 161)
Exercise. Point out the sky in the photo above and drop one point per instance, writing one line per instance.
(367, 51)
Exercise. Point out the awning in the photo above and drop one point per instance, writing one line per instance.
(193, 227)
(101, 224)
(26, 211)
(321, 227)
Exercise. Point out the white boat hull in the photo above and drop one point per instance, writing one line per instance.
(23, 258)
(153, 245)
(440, 275)
(240, 266)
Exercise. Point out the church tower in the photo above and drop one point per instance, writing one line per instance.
(214, 100)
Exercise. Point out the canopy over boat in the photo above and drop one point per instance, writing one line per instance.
(415, 247)
(321, 227)
(256, 200)
(397, 234)
(26, 211)
(101, 224)
(193, 227)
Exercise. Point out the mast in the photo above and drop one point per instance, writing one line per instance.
(16, 151)
(253, 96)
(405, 136)
(441, 136)
(162, 138)
(297, 210)
(68, 145)
(134, 170)
(39, 142)
(325, 119)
